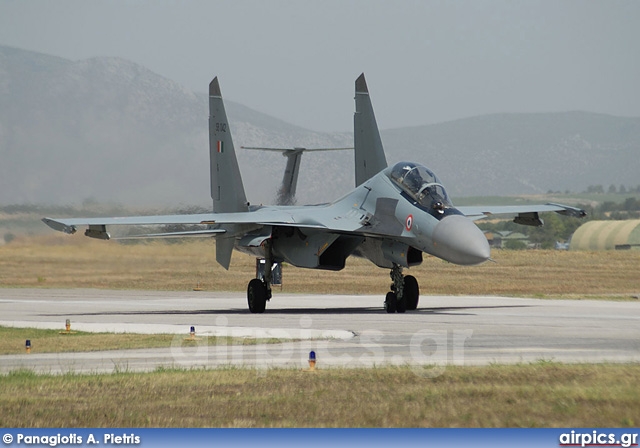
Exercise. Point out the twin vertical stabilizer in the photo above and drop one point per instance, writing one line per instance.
(369, 153)
(227, 190)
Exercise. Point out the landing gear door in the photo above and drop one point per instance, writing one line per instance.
(276, 272)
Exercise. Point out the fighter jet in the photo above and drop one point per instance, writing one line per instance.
(394, 215)
(287, 191)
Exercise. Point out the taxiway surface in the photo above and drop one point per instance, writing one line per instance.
(350, 331)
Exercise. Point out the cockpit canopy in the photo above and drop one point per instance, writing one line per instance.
(421, 185)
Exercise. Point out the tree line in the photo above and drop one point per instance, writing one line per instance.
(622, 189)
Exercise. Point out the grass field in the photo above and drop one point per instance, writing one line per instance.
(539, 395)
(12, 341)
(60, 261)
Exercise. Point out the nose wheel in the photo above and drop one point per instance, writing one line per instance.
(404, 294)
(390, 302)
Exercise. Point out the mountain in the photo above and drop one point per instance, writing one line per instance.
(109, 130)
(502, 154)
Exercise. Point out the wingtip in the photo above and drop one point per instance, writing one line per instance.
(361, 84)
(214, 88)
(59, 226)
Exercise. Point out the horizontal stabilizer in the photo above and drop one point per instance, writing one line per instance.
(295, 149)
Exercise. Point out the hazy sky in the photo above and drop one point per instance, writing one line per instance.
(425, 61)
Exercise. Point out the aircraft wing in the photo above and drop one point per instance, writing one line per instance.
(70, 225)
(97, 226)
(523, 212)
(318, 217)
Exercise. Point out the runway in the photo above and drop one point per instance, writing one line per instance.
(347, 331)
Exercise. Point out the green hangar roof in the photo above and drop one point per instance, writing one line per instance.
(607, 235)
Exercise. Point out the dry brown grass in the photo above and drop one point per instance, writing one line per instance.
(540, 395)
(59, 261)
(12, 341)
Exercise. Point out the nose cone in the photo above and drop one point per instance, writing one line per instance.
(458, 240)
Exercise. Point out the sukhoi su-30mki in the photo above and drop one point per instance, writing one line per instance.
(394, 215)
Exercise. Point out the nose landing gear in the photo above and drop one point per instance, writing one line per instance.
(404, 294)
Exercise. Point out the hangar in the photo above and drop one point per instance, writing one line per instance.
(607, 235)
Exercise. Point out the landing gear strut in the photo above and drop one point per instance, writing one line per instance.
(404, 294)
(259, 289)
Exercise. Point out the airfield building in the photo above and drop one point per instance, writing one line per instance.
(607, 235)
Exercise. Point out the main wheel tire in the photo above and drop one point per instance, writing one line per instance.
(257, 296)
(391, 302)
(411, 292)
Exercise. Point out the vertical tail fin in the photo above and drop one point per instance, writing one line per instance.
(369, 153)
(227, 190)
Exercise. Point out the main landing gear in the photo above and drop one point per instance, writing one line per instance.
(404, 294)
(257, 295)
(259, 289)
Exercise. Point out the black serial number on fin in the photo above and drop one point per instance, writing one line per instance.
(221, 127)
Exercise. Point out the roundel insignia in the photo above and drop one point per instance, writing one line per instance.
(409, 222)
